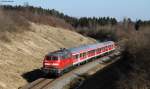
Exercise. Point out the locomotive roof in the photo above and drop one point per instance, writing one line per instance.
(88, 47)
(61, 52)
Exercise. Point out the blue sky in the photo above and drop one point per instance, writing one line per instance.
(135, 9)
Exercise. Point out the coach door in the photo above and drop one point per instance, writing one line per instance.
(76, 58)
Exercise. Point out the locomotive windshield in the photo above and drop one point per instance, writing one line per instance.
(59, 55)
(52, 58)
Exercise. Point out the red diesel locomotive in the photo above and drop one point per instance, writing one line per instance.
(56, 63)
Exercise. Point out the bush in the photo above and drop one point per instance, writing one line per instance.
(137, 50)
(11, 22)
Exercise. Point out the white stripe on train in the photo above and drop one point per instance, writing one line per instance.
(79, 61)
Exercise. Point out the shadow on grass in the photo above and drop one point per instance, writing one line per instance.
(36, 74)
(33, 75)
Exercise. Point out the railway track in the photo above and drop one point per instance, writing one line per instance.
(58, 83)
(40, 83)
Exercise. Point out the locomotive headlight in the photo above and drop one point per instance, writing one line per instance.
(54, 64)
(47, 64)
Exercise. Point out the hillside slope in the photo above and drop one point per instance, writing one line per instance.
(25, 51)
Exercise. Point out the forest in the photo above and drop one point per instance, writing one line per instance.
(134, 36)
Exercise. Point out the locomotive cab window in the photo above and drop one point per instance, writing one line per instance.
(64, 56)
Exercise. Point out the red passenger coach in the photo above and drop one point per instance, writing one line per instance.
(58, 62)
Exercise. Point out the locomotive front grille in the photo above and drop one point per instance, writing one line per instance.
(50, 71)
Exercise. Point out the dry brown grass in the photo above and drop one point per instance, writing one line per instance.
(26, 50)
(11, 22)
(23, 43)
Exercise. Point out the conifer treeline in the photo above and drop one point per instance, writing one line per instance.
(75, 22)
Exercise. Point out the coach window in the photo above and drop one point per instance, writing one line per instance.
(103, 48)
(97, 50)
(76, 56)
(94, 51)
(84, 54)
(109, 46)
(112, 46)
(100, 49)
(91, 51)
(88, 52)
(81, 55)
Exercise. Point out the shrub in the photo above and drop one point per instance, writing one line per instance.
(137, 50)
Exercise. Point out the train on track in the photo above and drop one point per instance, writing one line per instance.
(60, 61)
